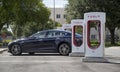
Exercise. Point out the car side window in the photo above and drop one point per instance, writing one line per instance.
(42, 35)
(62, 34)
(55, 34)
(50, 34)
(65, 34)
(59, 34)
(68, 34)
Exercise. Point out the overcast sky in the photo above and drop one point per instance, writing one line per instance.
(58, 3)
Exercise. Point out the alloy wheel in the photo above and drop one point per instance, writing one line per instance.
(64, 49)
(16, 49)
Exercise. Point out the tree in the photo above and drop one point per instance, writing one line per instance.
(20, 13)
(111, 7)
(5, 30)
(33, 27)
(75, 9)
(112, 10)
(5, 12)
(34, 18)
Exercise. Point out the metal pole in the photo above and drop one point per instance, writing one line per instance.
(54, 15)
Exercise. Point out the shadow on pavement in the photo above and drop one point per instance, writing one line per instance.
(113, 60)
(114, 63)
(40, 54)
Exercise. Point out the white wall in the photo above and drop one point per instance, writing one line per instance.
(60, 11)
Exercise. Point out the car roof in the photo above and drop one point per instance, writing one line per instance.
(55, 30)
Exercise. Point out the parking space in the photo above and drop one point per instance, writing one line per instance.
(53, 62)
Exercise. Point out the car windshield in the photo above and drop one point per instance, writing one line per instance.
(33, 35)
(38, 35)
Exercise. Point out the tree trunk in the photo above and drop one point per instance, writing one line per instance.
(1, 25)
(0, 28)
(112, 32)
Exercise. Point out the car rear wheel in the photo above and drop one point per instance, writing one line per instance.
(64, 49)
(16, 49)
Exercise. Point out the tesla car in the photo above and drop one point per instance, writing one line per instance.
(47, 41)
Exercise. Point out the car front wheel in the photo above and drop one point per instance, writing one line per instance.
(64, 49)
(16, 49)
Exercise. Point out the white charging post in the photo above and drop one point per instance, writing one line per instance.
(95, 47)
(77, 39)
(67, 27)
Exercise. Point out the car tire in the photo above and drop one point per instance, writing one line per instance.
(31, 53)
(64, 49)
(16, 49)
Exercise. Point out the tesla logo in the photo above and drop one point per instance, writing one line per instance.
(97, 16)
(77, 22)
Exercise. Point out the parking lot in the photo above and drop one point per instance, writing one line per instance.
(57, 63)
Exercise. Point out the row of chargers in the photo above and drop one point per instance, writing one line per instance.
(82, 30)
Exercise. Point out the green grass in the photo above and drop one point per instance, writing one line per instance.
(0, 44)
(108, 44)
(94, 43)
(5, 42)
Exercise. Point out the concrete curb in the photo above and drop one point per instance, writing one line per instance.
(2, 50)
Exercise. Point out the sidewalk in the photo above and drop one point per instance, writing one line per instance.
(2, 50)
(112, 51)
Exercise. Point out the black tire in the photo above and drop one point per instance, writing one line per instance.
(31, 53)
(16, 49)
(64, 49)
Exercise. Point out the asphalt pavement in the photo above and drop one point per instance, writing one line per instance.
(57, 63)
(2, 50)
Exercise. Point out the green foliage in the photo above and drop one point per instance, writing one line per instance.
(4, 30)
(7, 41)
(75, 9)
(20, 14)
(32, 27)
(0, 44)
(108, 44)
(51, 25)
(79, 29)
(94, 43)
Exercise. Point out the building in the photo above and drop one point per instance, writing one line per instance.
(60, 15)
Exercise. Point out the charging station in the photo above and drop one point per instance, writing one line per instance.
(95, 22)
(77, 37)
(67, 27)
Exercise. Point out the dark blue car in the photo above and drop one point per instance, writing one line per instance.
(48, 41)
